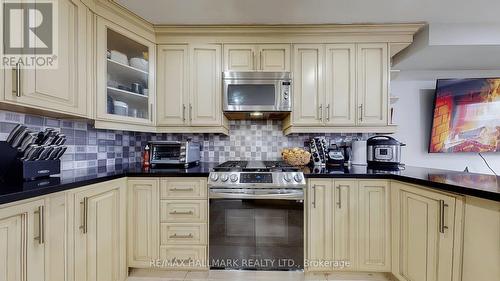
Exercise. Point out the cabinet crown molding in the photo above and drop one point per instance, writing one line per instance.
(292, 29)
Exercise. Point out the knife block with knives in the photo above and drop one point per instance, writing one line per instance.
(29, 155)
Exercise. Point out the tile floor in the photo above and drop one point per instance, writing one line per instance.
(218, 275)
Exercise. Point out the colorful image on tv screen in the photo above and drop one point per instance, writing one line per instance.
(466, 116)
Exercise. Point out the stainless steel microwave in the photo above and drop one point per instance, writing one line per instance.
(257, 91)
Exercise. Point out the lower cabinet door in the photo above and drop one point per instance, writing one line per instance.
(143, 222)
(345, 237)
(100, 238)
(374, 226)
(319, 225)
(423, 234)
(332, 230)
(56, 233)
(22, 244)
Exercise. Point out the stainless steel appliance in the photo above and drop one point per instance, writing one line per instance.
(183, 153)
(256, 216)
(383, 151)
(258, 92)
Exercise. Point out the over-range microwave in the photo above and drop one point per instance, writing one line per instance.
(257, 91)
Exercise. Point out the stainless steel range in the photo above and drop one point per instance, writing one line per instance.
(256, 216)
(256, 180)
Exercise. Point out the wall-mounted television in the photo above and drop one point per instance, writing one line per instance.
(466, 116)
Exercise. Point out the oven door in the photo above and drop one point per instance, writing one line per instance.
(252, 95)
(256, 234)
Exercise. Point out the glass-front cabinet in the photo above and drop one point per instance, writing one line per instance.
(125, 70)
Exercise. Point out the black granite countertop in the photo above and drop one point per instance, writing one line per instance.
(479, 185)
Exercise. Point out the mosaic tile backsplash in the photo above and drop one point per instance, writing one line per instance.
(89, 147)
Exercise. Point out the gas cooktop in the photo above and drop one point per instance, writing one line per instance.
(255, 166)
(256, 174)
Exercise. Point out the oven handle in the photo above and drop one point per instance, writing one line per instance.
(267, 194)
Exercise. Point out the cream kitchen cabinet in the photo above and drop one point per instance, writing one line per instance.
(263, 57)
(205, 99)
(481, 240)
(339, 88)
(340, 85)
(424, 234)
(184, 222)
(332, 227)
(173, 85)
(372, 84)
(56, 227)
(374, 223)
(308, 86)
(143, 222)
(100, 232)
(66, 89)
(189, 89)
(22, 242)
(125, 78)
(33, 240)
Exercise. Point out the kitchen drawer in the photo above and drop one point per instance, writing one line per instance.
(183, 234)
(183, 188)
(183, 211)
(184, 256)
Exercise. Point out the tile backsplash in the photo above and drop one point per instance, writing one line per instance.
(90, 147)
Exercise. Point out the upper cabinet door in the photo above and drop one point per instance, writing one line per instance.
(64, 89)
(340, 80)
(173, 85)
(373, 69)
(125, 75)
(239, 57)
(274, 57)
(308, 92)
(205, 108)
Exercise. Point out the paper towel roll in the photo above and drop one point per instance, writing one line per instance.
(358, 153)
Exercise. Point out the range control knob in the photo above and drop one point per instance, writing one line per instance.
(287, 177)
(233, 177)
(298, 178)
(224, 177)
(214, 177)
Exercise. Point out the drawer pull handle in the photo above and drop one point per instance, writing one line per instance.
(182, 189)
(181, 213)
(190, 235)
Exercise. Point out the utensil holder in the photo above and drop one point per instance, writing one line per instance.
(12, 167)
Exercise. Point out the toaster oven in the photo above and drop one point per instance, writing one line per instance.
(183, 153)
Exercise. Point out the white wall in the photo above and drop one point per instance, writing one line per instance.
(413, 115)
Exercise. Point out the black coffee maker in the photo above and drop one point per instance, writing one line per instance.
(336, 156)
